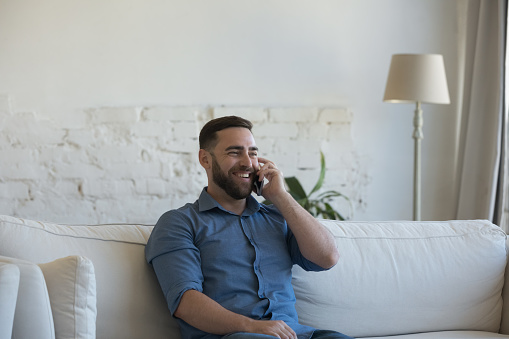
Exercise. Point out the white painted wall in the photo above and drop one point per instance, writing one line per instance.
(60, 61)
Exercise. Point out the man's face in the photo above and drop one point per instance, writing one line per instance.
(234, 162)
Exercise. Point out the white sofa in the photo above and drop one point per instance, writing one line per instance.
(405, 279)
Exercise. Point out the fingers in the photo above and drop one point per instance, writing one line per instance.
(266, 167)
(266, 163)
(286, 331)
(275, 185)
(277, 328)
(262, 160)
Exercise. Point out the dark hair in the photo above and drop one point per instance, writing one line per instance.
(208, 135)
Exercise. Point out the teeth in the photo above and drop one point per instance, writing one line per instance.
(245, 175)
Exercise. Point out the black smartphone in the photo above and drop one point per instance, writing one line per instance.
(258, 185)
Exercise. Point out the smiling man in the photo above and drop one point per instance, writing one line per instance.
(224, 262)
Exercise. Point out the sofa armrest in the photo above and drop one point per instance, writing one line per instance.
(504, 325)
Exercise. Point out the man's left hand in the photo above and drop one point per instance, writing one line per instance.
(276, 181)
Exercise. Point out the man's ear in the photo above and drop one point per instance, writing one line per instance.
(205, 159)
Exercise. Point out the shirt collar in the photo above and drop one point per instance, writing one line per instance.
(206, 202)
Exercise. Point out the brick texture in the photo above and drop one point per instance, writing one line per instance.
(131, 164)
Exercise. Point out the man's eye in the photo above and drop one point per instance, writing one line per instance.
(233, 153)
(254, 155)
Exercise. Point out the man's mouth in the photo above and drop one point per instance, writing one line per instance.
(243, 174)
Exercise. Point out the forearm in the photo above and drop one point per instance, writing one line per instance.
(200, 311)
(315, 241)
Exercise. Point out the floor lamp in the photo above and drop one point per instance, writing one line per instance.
(417, 78)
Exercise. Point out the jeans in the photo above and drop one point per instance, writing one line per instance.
(318, 334)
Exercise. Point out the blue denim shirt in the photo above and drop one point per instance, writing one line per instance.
(242, 262)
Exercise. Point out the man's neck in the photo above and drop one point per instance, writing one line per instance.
(227, 202)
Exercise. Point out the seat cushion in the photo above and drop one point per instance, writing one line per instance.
(447, 335)
(9, 284)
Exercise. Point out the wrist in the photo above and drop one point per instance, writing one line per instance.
(281, 198)
(246, 324)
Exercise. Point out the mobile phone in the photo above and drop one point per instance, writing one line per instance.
(258, 185)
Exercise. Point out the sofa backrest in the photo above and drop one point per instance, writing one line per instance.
(407, 277)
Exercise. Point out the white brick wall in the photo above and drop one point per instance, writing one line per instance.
(131, 164)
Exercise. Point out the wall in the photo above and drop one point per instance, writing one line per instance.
(79, 79)
(131, 164)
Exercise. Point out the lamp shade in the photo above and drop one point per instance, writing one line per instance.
(417, 77)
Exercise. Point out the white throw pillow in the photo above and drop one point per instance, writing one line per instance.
(72, 290)
(9, 284)
(32, 304)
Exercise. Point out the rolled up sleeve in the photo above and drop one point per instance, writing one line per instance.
(298, 258)
(175, 258)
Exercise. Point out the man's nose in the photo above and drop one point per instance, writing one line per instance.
(247, 161)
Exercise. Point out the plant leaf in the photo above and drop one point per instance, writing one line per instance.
(333, 213)
(295, 188)
(331, 194)
(319, 183)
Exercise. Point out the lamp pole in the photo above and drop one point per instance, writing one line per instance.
(418, 136)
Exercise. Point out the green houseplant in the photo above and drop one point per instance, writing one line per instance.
(318, 204)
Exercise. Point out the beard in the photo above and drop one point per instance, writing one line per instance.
(227, 183)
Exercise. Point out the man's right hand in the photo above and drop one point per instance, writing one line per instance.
(275, 328)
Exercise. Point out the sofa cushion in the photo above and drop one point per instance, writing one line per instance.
(9, 284)
(33, 317)
(447, 335)
(407, 277)
(72, 290)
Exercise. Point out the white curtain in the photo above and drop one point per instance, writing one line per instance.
(502, 208)
(481, 163)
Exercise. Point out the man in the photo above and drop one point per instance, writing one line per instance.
(224, 263)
